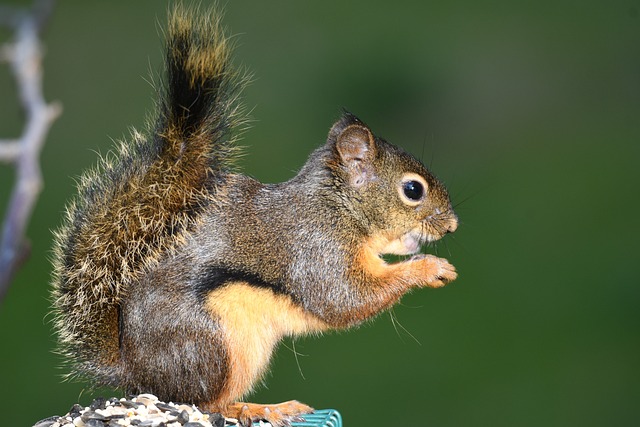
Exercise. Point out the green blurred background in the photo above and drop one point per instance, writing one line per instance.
(530, 113)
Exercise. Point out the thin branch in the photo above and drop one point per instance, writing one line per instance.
(9, 151)
(24, 56)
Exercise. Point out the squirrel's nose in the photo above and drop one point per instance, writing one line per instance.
(452, 225)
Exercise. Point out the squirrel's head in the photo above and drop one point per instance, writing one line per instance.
(387, 190)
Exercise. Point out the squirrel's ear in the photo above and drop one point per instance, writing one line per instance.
(355, 145)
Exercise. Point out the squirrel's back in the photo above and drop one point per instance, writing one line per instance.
(139, 202)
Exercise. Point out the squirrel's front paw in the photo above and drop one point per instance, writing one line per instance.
(435, 272)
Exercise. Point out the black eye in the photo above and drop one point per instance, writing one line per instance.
(413, 190)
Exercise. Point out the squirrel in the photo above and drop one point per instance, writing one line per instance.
(174, 274)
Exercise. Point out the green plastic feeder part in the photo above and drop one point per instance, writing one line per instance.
(320, 418)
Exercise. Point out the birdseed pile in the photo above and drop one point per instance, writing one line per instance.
(144, 410)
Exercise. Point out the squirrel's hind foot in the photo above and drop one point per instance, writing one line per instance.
(279, 414)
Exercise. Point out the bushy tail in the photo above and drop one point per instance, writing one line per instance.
(139, 201)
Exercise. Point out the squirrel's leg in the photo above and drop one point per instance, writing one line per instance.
(253, 319)
(382, 284)
(417, 271)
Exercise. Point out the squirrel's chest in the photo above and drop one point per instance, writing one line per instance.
(253, 320)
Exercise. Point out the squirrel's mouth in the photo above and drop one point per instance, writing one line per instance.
(407, 244)
(411, 242)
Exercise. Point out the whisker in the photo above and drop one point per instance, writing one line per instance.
(460, 202)
(295, 355)
(446, 246)
(457, 241)
(395, 326)
(406, 331)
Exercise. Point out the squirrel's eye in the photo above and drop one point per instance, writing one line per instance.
(413, 190)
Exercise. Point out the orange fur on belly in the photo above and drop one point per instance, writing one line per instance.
(253, 321)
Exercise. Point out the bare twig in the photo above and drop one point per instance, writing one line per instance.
(24, 56)
(9, 151)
